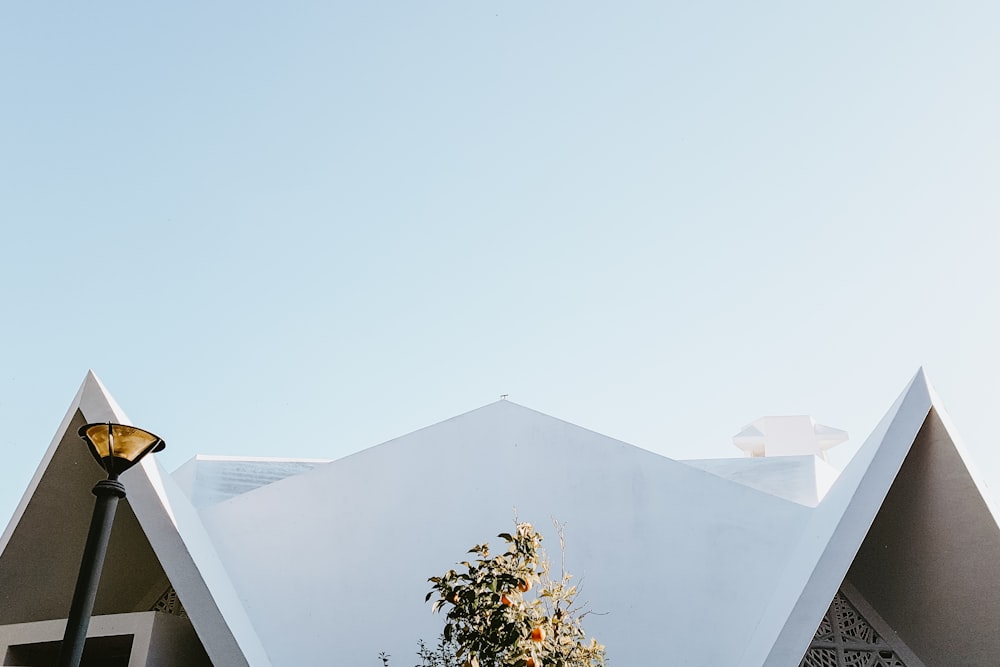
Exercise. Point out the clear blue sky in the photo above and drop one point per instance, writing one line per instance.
(303, 230)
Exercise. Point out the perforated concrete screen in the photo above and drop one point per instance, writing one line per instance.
(848, 637)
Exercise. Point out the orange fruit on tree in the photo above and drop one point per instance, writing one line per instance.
(530, 662)
(504, 600)
(524, 586)
(538, 634)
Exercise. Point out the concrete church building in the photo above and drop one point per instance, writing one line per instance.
(770, 559)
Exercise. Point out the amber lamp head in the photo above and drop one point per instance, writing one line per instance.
(118, 447)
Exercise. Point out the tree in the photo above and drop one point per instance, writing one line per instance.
(493, 620)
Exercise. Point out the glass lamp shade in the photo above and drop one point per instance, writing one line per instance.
(118, 447)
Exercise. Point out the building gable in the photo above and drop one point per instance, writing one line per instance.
(157, 561)
(915, 539)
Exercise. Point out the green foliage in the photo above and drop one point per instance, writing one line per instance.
(445, 655)
(506, 611)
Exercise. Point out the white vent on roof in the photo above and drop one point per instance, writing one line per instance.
(788, 436)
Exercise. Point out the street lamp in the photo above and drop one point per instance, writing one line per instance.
(117, 448)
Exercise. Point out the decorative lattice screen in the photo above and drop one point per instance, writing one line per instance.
(845, 639)
(170, 603)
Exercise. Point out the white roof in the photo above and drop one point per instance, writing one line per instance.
(52, 519)
(803, 479)
(289, 561)
(788, 436)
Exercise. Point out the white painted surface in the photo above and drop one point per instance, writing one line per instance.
(661, 549)
(158, 640)
(174, 531)
(138, 625)
(191, 563)
(723, 562)
(788, 436)
(801, 479)
(207, 480)
(835, 531)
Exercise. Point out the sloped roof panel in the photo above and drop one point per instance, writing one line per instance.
(338, 557)
(170, 524)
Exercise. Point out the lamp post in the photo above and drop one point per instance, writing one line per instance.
(116, 447)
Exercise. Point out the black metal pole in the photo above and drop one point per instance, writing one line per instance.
(108, 493)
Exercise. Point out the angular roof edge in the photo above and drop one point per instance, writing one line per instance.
(93, 400)
(175, 534)
(836, 530)
(502, 404)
